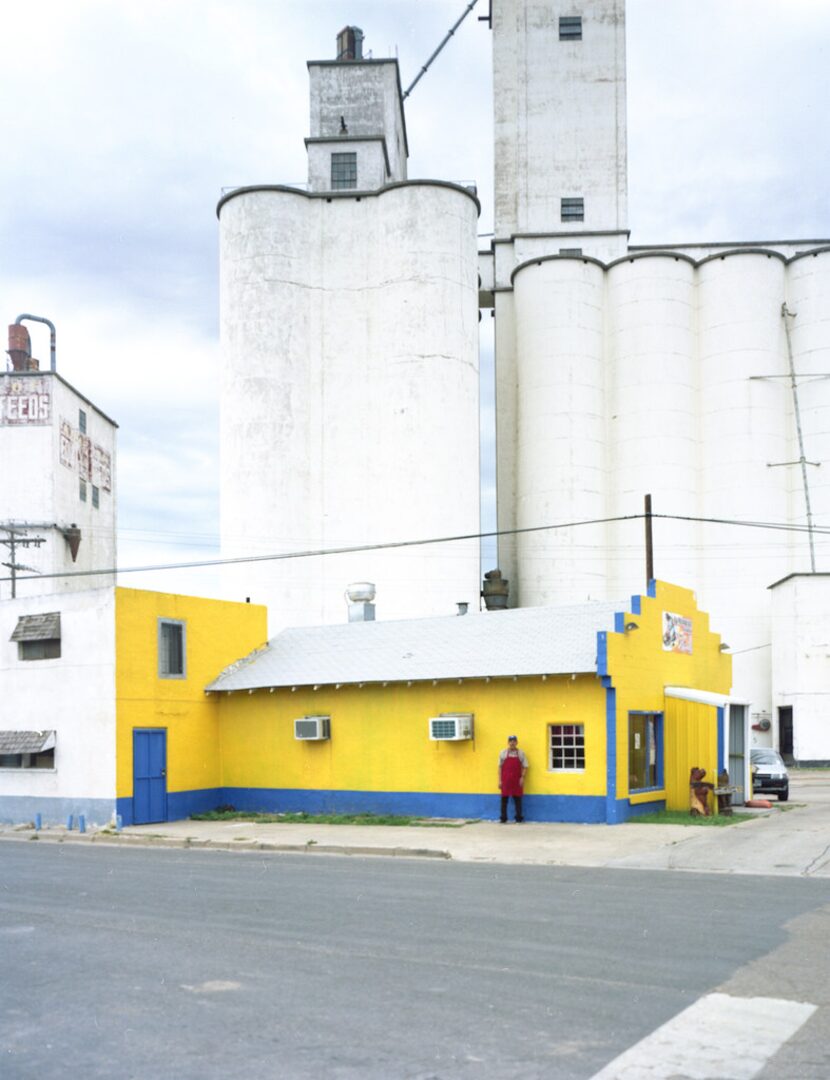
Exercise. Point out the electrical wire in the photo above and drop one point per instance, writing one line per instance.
(431, 541)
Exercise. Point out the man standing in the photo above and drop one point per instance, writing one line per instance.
(512, 770)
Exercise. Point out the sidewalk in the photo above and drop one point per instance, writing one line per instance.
(783, 841)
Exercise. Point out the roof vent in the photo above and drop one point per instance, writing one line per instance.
(360, 596)
(494, 590)
(350, 43)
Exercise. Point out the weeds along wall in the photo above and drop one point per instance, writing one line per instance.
(215, 634)
(380, 758)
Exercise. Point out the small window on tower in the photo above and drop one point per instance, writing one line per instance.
(82, 490)
(343, 171)
(82, 421)
(96, 496)
(570, 28)
(573, 209)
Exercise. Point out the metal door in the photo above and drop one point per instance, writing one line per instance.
(737, 751)
(149, 775)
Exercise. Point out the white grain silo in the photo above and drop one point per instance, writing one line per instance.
(350, 382)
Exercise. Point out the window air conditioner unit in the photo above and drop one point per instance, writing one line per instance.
(312, 727)
(451, 727)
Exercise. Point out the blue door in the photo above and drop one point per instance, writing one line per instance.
(149, 775)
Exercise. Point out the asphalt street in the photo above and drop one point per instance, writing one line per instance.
(153, 963)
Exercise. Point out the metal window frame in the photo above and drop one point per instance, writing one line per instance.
(96, 497)
(343, 170)
(572, 208)
(82, 489)
(82, 421)
(659, 737)
(163, 622)
(570, 28)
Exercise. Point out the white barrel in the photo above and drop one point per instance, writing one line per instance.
(651, 404)
(560, 431)
(808, 298)
(350, 397)
(745, 407)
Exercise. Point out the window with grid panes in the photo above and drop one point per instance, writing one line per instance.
(573, 209)
(570, 28)
(343, 170)
(567, 747)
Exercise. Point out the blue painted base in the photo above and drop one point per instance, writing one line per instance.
(180, 804)
(574, 808)
(581, 809)
(18, 809)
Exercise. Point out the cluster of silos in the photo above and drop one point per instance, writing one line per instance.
(350, 396)
(659, 374)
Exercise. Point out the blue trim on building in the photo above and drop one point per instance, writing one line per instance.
(602, 652)
(636, 605)
(721, 740)
(20, 809)
(586, 809)
(619, 622)
(180, 804)
(651, 590)
(611, 802)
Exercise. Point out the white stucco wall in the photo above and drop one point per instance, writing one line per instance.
(364, 95)
(73, 695)
(44, 463)
(801, 660)
(559, 117)
(643, 377)
(350, 396)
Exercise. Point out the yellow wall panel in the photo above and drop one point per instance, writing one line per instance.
(216, 634)
(691, 742)
(380, 737)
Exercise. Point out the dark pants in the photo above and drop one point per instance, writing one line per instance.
(517, 806)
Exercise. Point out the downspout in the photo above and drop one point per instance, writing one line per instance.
(786, 315)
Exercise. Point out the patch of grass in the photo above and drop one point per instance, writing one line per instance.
(302, 818)
(683, 817)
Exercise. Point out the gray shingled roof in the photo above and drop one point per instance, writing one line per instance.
(42, 627)
(26, 742)
(524, 641)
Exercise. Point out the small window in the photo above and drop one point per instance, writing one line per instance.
(573, 209)
(82, 421)
(96, 497)
(38, 637)
(645, 751)
(82, 490)
(343, 171)
(48, 649)
(570, 28)
(27, 749)
(171, 642)
(570, 251)
(567, 747)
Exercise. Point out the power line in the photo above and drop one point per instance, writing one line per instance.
(431, 541)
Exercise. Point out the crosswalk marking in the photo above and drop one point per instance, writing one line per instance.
(717, 1038)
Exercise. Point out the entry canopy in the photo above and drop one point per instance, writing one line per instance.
(26, 742)
(43, 627)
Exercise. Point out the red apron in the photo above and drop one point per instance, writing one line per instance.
(511, 776)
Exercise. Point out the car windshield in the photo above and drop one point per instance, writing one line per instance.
(767, 757)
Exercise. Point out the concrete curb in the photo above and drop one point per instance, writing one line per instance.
(244, 845)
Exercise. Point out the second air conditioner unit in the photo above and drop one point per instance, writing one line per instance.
(451, 727)
(312, 727)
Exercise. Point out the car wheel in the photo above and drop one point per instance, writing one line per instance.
(784, 795)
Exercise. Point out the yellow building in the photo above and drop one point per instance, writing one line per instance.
(103, 694)
(613, 708)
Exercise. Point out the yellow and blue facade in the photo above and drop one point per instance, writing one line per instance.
(649, 709)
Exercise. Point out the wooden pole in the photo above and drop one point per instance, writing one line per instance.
(649, 543)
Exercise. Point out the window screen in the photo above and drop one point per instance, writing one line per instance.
(343, 171)
(171, 649)
(573, 209)
(570, 28)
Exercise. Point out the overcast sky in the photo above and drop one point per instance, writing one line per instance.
(122, 120)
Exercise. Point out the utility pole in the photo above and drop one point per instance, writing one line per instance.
(15, 538)
(649, 542)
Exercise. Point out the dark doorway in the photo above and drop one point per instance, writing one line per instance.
(785, 732)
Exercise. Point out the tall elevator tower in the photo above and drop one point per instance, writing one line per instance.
(350, 395)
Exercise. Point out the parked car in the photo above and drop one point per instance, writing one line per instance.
(769, 773)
